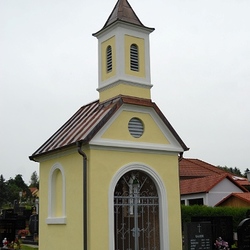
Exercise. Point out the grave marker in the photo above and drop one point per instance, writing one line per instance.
(198, 235)
(243, 232)
(222, 226)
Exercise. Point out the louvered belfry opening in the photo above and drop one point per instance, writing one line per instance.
(136, 213)
(134, 58)
(109, 59)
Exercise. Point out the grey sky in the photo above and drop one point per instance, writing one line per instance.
(200, 60)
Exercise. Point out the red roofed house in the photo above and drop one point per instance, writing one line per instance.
(204, 184)
(235, 200)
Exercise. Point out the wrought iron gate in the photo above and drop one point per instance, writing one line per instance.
(136, 213)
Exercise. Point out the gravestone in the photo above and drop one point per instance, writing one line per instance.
(222, 226)
(243, 232)
(198, 235)
(7, 229)
(8, 214)
(33, 224)
(10, 222)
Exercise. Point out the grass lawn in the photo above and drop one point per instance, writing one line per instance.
(23, 247)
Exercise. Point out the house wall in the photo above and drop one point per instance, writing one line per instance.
(54, 235)
(188, 197)
(102, 167)
(221, 190)
(234, 202)
(216, 194)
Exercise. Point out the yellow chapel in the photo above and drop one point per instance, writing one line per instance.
(109, 177)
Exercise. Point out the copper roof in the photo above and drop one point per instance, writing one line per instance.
(89, 119)
(123, 12)
(205, 184)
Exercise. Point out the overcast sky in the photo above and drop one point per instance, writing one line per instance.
(200, 69)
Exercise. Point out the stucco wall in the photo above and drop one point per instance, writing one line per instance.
(102, 166)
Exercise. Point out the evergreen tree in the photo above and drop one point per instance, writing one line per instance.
(34, 180)
(235, 171)
(3, 191)
(246, 171)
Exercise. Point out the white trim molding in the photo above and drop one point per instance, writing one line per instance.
(163, 208)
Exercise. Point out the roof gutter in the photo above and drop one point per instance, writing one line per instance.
(85, 193)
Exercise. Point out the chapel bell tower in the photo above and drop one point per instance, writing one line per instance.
(123, 55)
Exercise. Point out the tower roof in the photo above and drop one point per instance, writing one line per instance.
(123, 12)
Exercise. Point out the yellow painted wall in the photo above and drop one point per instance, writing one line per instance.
(102, 168)
(124, 89)
(58, 194)
(150, 128)
(62, 236)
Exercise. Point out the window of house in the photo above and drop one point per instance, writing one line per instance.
(109, 59)
(134, 58)
(56, 196)
(198, 201)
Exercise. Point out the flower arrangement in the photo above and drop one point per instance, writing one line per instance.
(23, 233)
(11, 245)
(15, 244)
(221, 244)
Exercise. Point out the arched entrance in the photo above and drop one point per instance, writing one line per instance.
(136, 212)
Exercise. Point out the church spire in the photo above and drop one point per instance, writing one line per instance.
(123, 12)
(123, 51)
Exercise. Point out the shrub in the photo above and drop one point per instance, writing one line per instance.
(238, 214)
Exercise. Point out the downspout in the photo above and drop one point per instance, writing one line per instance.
(180, 157)
(85, 193)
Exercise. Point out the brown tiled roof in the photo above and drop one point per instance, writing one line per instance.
(242, 181)
(204, 184)
(123, 12)
(193, 168)
(89, 119)
(242, 196)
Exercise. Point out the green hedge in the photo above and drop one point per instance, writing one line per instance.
(238, 214)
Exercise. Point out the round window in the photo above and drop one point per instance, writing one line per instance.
(136, 127)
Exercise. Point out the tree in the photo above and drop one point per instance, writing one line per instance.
(15, 186)
(235, 171)
(3, 191)
(246, 171)
(34, 180)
